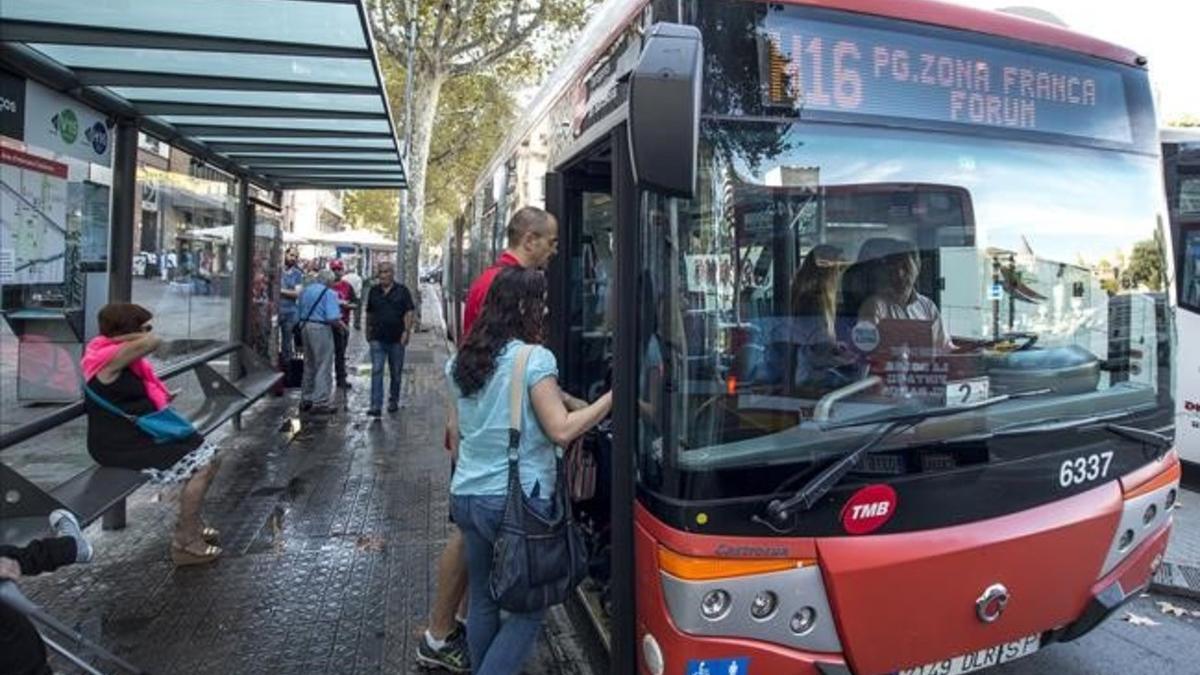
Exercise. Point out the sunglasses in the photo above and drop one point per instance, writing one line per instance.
(147, 328)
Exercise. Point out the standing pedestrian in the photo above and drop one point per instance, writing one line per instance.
(320, 316)
(480, 375)
(347, 300)
(290, 282)
(532, 241)
(356, 284)
(390, 319)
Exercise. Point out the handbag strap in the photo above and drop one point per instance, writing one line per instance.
(516, 400)
(315, 305)
(110, 407)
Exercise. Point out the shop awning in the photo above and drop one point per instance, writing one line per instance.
(286, 92)
(363, 238)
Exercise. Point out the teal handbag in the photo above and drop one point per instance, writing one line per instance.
(164, 426)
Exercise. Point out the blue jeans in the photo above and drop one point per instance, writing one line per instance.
(393, 353)
(287, 341)
(498, 647)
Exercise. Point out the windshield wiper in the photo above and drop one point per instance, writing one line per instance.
(1157, 441)
(1154, 439)
(779, 511)
(920, 415)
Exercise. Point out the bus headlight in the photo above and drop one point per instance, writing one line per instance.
(652, 655)
(763, 605)
(715, 605)
(803, 621)
(1126, 540)
(1148, 516)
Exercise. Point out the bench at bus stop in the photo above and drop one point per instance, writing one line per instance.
(100, 492)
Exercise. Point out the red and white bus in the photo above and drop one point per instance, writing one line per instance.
(843, 264)
(1181, 170)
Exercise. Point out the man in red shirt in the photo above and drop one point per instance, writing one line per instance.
(348, 300)
(532, 241)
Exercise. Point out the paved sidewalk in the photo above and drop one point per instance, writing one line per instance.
(1180, 573)
(332, 530)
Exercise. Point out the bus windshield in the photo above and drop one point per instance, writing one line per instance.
(827, 272)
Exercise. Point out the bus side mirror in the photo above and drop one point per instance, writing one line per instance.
(664, 109)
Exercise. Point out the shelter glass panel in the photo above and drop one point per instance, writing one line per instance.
(330, 24)
(361, 103)
(183, 253)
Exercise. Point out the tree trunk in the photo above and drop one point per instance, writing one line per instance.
(427, 89)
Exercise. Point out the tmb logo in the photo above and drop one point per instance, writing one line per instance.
(869, 509)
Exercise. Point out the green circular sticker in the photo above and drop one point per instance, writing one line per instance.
(68, 126)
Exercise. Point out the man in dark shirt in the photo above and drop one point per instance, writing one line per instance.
(390, 316)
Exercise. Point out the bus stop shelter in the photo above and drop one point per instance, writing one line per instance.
(273, 95)
(279, 94)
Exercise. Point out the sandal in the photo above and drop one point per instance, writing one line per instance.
(210, 535)
(195, 553)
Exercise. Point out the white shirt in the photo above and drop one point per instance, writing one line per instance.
(355, 282)
(877, 308)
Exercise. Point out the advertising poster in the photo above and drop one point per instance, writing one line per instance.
(33, 219)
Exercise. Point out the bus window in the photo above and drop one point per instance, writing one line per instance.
(1189, 272)
(956, 270)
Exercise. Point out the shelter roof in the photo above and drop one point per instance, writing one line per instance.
(286, 92)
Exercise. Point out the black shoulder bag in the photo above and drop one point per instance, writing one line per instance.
(536, 561)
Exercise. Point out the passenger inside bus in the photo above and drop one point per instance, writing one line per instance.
(806, 345)
(891, 270)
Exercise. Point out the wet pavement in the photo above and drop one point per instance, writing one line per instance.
(331, 529)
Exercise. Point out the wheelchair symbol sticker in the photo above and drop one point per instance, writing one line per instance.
(734, 666)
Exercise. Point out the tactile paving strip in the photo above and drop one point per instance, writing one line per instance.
(1177, 579)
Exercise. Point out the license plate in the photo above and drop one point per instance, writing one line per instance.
(984, 658)
(965, 392)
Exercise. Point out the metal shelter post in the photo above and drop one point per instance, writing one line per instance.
(124, 193)
(243, 261)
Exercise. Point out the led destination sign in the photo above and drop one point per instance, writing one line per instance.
(826, 66)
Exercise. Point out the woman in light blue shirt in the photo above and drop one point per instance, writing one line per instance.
(513, 316)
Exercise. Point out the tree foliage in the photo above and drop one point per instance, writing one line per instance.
(476, 112)
(377, 210)
(1146, 268)
(458, 39)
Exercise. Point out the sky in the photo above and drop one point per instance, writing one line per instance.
(1164, 31)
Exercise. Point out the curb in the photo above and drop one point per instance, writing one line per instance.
(1176, 579)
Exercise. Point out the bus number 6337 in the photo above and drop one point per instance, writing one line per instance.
(1084, 469)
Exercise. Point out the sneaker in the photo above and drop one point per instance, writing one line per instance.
(344, 385)
(323, 410)
(305, 406)
(64, 524)
(393, 406)
(453, 655)
(374, 412)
